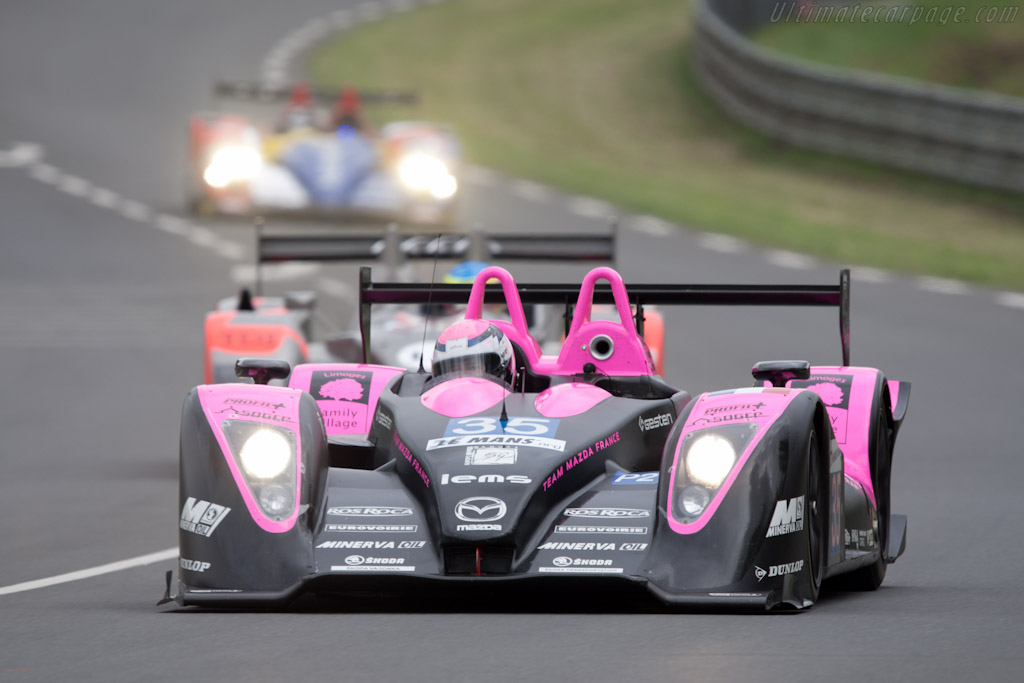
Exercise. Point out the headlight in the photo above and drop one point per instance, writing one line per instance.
(710, 459)
(426, 173)
(277, 500)
(265, 454)
(230, 164)
(694, 499)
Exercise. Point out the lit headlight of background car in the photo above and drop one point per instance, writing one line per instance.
(706, 458)
(426, 173)
(232, 164)
(266, 456)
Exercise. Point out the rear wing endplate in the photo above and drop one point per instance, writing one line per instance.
(371, 293)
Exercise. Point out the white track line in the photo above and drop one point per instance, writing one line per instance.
(530, 190)
(866, 274)
(106, 199)
(139, 561)
(651, 226)
(21, 154)
(45, 173)
(74, 186)
(590, 207)
(721, 243)
(789, 259)
(478, 175)
(136, 211)
(942, 285)
(1011, 299)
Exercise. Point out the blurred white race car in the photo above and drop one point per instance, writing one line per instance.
(317, 159)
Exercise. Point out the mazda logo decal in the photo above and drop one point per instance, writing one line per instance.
(480, 509)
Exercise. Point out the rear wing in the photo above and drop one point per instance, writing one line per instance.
(394, 248)
(371, 293)
(479, 246)
(244, 91)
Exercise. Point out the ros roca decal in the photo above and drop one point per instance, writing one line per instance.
(369, 512)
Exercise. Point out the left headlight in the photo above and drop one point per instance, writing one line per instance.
(266, 456)
(230, 164)
(426, 173)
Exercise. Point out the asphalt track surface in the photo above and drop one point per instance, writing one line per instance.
(100, 338)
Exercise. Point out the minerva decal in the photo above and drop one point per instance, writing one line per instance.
(787, 518)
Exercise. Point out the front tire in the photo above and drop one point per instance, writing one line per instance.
(816, 514)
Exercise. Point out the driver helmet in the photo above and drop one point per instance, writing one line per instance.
(474, 348)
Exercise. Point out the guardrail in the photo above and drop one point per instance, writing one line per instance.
(966, 135)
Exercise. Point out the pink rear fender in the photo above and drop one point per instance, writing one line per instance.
(856, 399)
(346, 393)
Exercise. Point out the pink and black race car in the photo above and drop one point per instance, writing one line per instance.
(578, 470)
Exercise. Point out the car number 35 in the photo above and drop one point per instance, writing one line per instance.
(520, 426)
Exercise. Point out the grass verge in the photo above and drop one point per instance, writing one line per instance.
(596, 97)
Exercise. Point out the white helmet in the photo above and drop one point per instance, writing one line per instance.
(474, 348)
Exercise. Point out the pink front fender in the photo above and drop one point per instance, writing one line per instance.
(277, 406)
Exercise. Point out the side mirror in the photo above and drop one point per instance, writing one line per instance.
(778, 372)
(262, 370)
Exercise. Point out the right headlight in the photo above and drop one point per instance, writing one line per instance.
(710, 459)
(706, 459)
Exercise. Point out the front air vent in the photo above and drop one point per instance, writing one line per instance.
(484, 560)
